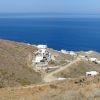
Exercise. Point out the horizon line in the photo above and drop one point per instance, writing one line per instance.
(50, 13)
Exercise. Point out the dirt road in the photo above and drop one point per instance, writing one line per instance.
(50, 77)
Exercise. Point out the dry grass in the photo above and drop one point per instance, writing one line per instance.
(78, 69)
(16, 72)
(62, 90)
(14, 64)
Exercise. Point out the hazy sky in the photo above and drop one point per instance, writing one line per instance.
(62, 6)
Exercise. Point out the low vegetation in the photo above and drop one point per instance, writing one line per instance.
(14, 65)
(78, 69)
(75, 89)
(18, 80)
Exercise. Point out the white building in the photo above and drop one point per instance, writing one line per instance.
(64, 51)
(93, 59)
(38, 59)
(42, 55)
(72, 53)
(98, 61)
(42, 46)
(92, 73)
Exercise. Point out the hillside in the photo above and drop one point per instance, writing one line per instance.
(19, 79)
(78, 69)
(74, 89)
(14, 69)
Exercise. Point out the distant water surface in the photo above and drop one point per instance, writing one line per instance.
(58, 33)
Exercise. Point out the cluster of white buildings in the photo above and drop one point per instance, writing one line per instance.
(72, 53)
(42, 55)
(91, 59)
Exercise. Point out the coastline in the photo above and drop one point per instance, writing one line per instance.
(72, 34)
(57, 50)
(66, 72)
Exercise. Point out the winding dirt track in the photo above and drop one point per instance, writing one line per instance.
(50, 77)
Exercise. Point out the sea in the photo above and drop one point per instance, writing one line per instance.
(69, 33)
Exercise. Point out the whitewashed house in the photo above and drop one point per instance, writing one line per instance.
(38, 59)
(92, 59)
(98, 62)
(42, 46)
(72, 53)
(92, 73)
(64, 51)
(95, 60)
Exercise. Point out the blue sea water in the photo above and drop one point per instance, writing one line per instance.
(58, 33)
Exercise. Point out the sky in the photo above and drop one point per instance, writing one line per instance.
(50, 6)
